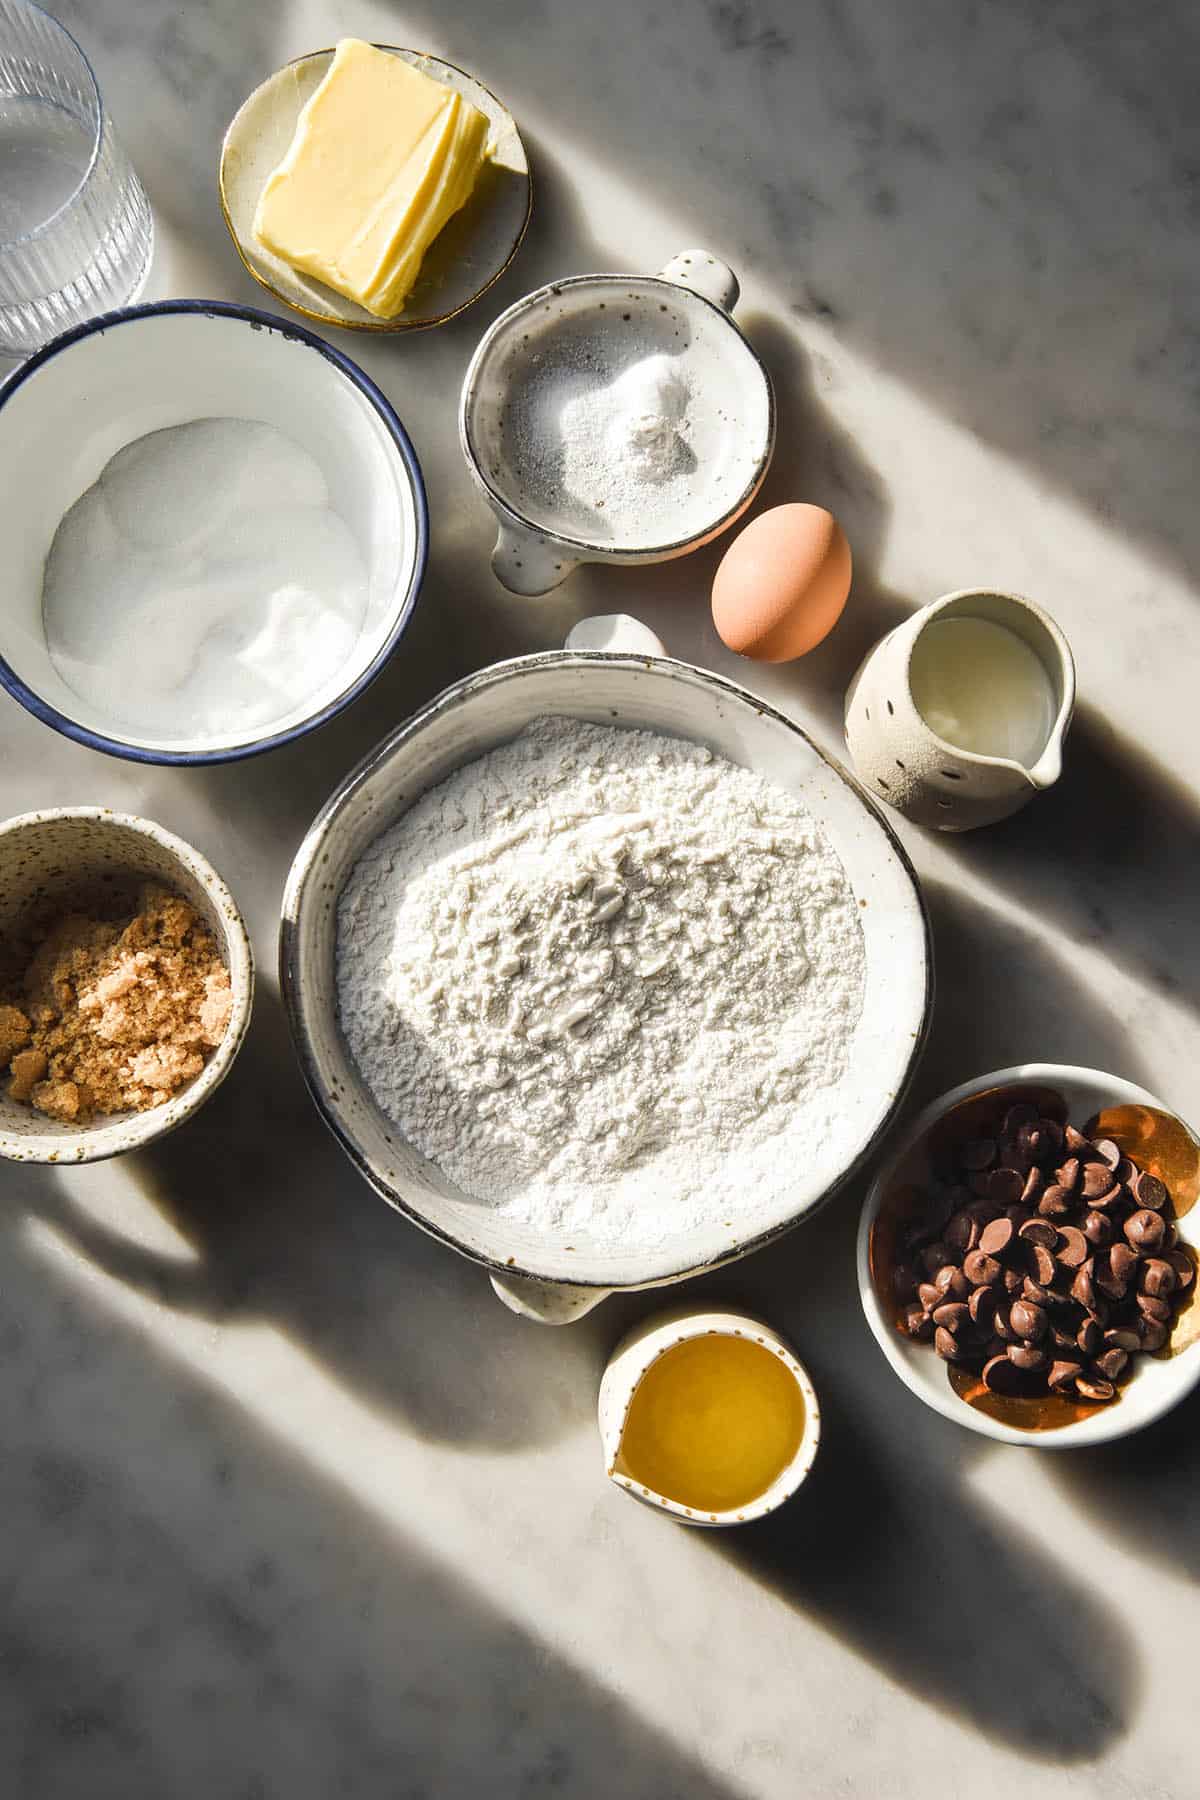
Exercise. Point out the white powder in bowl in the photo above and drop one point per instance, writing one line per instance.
(606, 981)
(203, 588)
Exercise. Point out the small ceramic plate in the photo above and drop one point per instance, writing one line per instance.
(472, 252)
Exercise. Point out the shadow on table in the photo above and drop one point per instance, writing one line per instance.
(893, 1546)
(1110, 856)
(285, 1231)
(193, 1605)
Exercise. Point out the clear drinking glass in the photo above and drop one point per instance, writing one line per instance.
(76, 233)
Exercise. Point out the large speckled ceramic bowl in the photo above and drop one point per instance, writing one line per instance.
(62, 857)
(554, 1274)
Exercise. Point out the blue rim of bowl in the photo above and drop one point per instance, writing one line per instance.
(258, 321)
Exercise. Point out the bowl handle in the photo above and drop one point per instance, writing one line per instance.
(547, 1302)
(706, 275)
(525, 563)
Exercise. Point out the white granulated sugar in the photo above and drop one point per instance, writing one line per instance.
(606, 980)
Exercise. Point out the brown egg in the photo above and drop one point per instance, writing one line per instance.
(782, 583)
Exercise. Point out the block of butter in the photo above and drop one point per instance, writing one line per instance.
(382, 157)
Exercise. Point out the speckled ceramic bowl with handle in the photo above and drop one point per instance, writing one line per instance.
(1160, 1381)
(578, 336)
(51, 861)
(556, 1275)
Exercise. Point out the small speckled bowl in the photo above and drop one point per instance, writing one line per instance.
(62, 857)
(641, 1349)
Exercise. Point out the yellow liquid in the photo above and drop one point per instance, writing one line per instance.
(712, 1423)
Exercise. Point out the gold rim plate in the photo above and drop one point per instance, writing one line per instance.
(466, 258)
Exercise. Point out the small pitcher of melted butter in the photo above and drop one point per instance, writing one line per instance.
(709, 1416)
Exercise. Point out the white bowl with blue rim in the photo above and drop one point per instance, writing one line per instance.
(70, 408)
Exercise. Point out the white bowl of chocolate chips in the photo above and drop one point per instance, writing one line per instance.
(1027, 1256)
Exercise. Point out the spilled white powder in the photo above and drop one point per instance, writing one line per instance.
(203, 588)
(606, 980)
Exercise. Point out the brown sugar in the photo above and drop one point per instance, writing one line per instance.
(115, 1016)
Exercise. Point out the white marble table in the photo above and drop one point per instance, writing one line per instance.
(291, 1507)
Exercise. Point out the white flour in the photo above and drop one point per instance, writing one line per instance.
(606, 980)
(606, 451)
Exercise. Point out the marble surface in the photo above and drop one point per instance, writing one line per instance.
(291, 1505)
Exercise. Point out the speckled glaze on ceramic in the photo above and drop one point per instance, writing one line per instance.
(685, 309)
(465, 259)
(636, 1353)
(1159, 1382)
(61, 857)
(556, 1276)
(900, 760)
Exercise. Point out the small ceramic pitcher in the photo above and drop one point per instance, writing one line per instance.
(902, 760)
(643, 1346)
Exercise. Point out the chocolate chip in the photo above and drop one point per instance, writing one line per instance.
(946, 1345)
(1120, 1337)
(1061, 1379)
(1041, 1265)
(1110, 1285)
(936, 1256)
(1122, 1260)
(1153, 1335)
(1082, 1288)
(951, 1283)
(978, 1153)
(1107, 1151)
(1020, 1113)
(1072, 1251)
(1148, 1190)
(1093, 1387)
(916, 1321)
(1005, 1186)
(1001, 1326)
(1031, 1193)
(1184, 1267)
(1001, 1376)
(1089, 1337)
(929, 1295)
(1145, 1230)
(1031, 1141)
(1158, 1277)
(1052, 1135)
(980, 1268)
(961, 1232)
(1096, 1181)
(951, 1317)
(1075, 1140)
(1064, 1340)
(1026, 1357)
(1027, 1320)
(996, 1237)
(982, 1306)
(1112, 1363)
(1154, 1308)
(1055, 1203)
(1097, 1228)
(1068, 1175)
(1035, 1293)
(1040, 1231)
